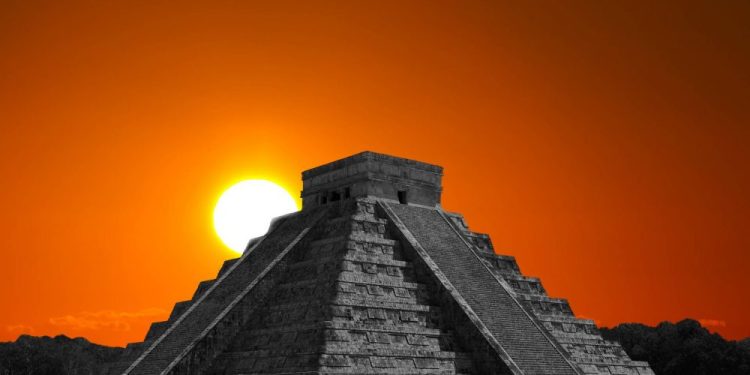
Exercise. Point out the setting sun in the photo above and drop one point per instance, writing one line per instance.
(246, 209)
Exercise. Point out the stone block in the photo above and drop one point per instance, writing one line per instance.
(426, 363)
(383, 362)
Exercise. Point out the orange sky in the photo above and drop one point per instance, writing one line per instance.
(603, 144)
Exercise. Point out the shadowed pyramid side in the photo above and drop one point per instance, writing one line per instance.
(194, 337)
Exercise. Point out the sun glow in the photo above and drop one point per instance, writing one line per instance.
(246, 209)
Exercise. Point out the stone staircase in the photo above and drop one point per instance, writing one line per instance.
(518, 334)
(580, 338)
(350, 304)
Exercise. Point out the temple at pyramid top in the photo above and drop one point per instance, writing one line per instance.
(369, 174)
(373, 277)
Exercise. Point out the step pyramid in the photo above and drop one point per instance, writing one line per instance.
(373, 277)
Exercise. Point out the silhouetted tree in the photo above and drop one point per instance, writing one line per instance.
(685, 348)
(54, 356)
(745, 343)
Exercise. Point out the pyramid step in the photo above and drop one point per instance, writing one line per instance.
(367, 341)
(341, 303)
(156, 329)
(298, 306)
(376, 279)
(582, 348)
(377, 276)
(312, 263)
(385, 326)
(359, 281)
(303, 292)
(377, 296)
(383, 293)
(376, 246)
(613, 367)
(327, 241)
(365, 302)
(326, 247)
(281, 338)
(202, 287)
(525, 284)
(561, 336)
(367, 217)
(379, 259)
(554, 318)
(397, 272)
(375, 266)
(311, 272)
(226, 266)
(178, 309)
(481, 241)
(385, 351)
(356, 238)
(504, 264)
(582, 341)
(357, 341)
(600, 358)
(371, 315)
(605, 349)
(368, 226)
(134, 349)
(393, 362)
(286, 328)
(358, 217)
(387, 332)
(295, 291)
(336, 353)
(544, 305)
(565, 327)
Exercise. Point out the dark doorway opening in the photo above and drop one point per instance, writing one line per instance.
(335, 196)
(402, 197)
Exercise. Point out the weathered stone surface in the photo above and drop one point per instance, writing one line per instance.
(372, 277)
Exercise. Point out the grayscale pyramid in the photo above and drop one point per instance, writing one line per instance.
(372, 276)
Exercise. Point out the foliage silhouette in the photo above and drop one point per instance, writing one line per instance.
(60, 355)
(684, 348)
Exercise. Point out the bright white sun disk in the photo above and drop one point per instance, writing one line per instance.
(246, 209)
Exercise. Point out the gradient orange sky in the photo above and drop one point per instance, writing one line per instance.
(604, 144)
